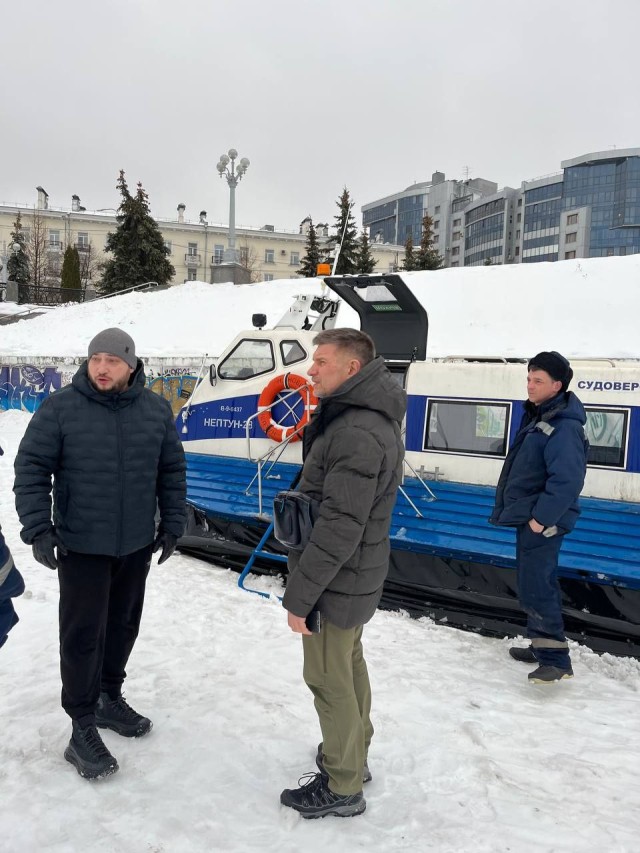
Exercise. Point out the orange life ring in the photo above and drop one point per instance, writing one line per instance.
(286, 382)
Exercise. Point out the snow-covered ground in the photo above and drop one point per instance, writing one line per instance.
(467, 758)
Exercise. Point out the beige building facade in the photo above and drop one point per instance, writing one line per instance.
(195, 246)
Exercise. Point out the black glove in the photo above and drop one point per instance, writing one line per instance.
(43, 549)
(166, 541)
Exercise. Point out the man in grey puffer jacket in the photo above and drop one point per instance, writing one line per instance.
(353, 454)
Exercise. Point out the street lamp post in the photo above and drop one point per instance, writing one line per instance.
(228, 169)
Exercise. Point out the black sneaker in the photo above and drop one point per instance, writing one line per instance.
(366, 773)
(117, 715)
(549, 674)
(314, 799)
(88, 754)
(523, 655)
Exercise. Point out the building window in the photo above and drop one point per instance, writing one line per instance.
(519, 202)
(517, 251)
(268, 276)
(518, 234)
(607, 430)
(609, 252)
(244, 256)
(467, 426)
(455, 250)
(457, 222)
(191, 274)
(571, 238)
(294, 259)
(436, 238)
(436, 224)
(269, 256)
(572, 219)
(83, 240)
(455, 263)
(192, 249)
(623, 250)
(167, 245)
(218, 251)
(54, 239)
(437, 210)
(569, 256)
(519, 218)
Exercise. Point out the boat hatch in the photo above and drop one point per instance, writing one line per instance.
(389, 313)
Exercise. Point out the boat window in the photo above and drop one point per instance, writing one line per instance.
(292, 352)
(478, 427)
(248, 358)
(607, 431)
(379, 297)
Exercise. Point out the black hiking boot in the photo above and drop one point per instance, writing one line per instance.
(366, 773)
(314, 799)
(88, 754)
(549, 674)
(117, 715)
(523, 655)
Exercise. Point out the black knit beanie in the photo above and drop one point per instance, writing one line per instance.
(555, 365)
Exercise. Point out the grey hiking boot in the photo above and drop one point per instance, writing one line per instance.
(119, 716)
(314, 799)
(526, 655)
(88, 754)
(366, 773)
(549, 674)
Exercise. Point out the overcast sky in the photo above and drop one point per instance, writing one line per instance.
(318, 95)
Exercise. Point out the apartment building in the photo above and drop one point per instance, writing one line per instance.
(589, 209)
(195, 247)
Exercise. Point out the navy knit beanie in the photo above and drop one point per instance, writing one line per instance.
(115, 342)
(555, 365)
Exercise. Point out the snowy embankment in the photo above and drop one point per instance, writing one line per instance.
(503, 311)
(467, 758)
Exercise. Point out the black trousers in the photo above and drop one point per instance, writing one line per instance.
(101, 601)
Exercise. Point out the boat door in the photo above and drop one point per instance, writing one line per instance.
(390, 313)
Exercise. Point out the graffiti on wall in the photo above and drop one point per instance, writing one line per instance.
(25, 386)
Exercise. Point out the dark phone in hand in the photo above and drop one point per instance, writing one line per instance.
(313, 622)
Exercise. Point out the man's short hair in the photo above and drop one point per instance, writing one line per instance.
(358, 343)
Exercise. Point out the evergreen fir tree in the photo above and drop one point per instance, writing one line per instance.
(345, 239)
(428, 257)
(309, 265)
(487, 262)
(366, 262)
(18, 262)
(139, 252)
(70, 277)
(409, 255)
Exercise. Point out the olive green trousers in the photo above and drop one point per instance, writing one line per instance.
(336, 673)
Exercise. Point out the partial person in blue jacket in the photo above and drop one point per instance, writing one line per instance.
(537, 493)
(11, 586)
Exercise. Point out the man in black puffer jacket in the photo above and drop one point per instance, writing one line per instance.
(111, 446)
(353, 466)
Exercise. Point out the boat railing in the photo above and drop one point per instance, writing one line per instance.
(272, 456)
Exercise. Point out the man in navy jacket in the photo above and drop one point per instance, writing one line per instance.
(11, 586)
(537, 494)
